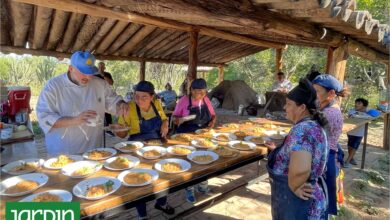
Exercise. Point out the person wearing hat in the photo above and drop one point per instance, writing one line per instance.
(69, 103)
(146, 118)
(147, 121)
(197, 104)
(328, 88)
(296, 166)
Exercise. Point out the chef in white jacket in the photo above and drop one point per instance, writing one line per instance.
(70, 102)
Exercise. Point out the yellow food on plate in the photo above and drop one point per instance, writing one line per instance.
(171, 167)
(98, 154)
(121, 163)
(47, 197)
(270, 126)
(232, 125)
(99, 190)
(183, 137)
(61, 161)
(205, 143)
(153, 142)
(22, 186)
(258, 130)
(129, 147)
(224, 151)
(240, 134)
(222, 137)
(152, 153)
(181, 150)
(25, 167)
(83, 171)
(242, 146)
(203, 158)
(137, 178)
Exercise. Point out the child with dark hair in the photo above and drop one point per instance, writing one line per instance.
(355, 136)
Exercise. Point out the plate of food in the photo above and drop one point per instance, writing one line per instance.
(258, 130)
(23, 184)
(138, 177)
(118, 130)
(57, 163)
(180, 150)
(231, 125)
(154, 142)
(96, 188)
(203, 143)
(81, 169)
(152, 152)
(172, 165)
(182, 137)
(240, 134)
(205, 131)
(203, 157)
(257, 140)
(223, 151)
(121, 163)
(99, 153)
(128, 146)
(23, 166)
(55, 195)
(242, 145)
(276, 135)
(224, 137)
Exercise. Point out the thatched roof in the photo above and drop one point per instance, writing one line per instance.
(158, 30)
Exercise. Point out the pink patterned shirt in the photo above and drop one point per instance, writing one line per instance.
(335, 126)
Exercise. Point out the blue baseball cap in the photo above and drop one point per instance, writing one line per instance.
(329, 82)
(84, 62)
(374, 113)
(144, 86)
(199, 84)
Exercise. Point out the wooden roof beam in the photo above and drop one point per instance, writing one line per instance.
(22, 50)
(88, 29)
(100, 11)
(111, 36)
(60, 18)
(42, 24)
(21, 19)
(128, 47)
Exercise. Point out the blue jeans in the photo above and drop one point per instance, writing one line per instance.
(141, 209)
(330, 179)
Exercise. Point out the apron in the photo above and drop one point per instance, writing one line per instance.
(285, 205)
(149, 129)
(203, 117)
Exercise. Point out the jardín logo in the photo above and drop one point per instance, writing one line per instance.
(42, 211)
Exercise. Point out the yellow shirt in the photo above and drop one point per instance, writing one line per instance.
(132, 121)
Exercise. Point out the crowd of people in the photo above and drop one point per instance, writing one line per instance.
(302, 170)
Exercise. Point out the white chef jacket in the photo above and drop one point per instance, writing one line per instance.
(63, 98)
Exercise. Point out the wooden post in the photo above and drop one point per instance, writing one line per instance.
(193, 54)
(142, 71)
(339, 62)
(278, 60)
(220, 74)
(386, 128)
(329, 60)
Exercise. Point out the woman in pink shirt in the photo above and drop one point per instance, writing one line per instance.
(197, 104)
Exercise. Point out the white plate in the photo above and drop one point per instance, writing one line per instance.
(251, 145)
(175, 137)
(162, 151)
(70, 168)
(134, 161)
(249, 138)
(201, 153)
(196, 144)
(205, 131)
(170, 149)
(153, 173)
(111, 150)
(63, 194)
(48, 162)
(7, 168)
(231, 137)
(274, 135)
(40, 178)
(80, 190)
(185, 165)
(119, 146)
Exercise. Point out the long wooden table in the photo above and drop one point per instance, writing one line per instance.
(127, 197)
